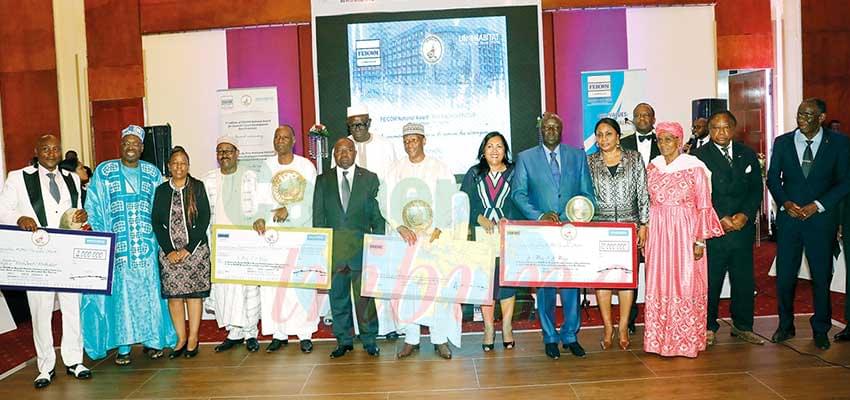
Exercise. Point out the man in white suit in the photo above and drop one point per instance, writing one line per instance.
(38, 196)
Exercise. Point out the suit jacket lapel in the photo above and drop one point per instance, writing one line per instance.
(34, 193)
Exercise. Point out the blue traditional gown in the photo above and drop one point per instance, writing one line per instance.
(120, 200)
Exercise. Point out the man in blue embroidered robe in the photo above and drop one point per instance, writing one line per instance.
(120, 198)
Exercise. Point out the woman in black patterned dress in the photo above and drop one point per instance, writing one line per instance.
(181, 215)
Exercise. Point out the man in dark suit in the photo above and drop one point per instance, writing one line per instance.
(645, 142)
(736, 193)
(808, 177)
(345, 200)
(545, 179)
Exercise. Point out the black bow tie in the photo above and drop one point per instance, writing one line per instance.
(645, 137)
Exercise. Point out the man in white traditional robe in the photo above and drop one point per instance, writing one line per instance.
(418, 177)
(377, 154)
(232, 192)
(287, 310)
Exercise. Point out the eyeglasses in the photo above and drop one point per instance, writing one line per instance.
(358, 125)
(224, 152)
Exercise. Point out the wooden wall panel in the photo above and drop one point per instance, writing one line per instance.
(554, 4)
(26, 36)
(744, 34)
(109, 118)
(826, 55)
(30, 109)
(114, 44)
(158, 16)
(27, 77)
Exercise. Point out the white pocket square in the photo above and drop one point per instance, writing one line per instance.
(749, 169)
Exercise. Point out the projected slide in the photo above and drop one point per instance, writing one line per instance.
(450, 75)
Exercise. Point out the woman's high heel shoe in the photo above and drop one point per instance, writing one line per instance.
(191, 353)
(606, 342)
(624, 342)
(489, 347)
(177, 352)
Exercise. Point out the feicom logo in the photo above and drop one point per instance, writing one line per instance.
(598, 86)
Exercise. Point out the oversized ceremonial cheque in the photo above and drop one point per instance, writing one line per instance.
(452, 271)
(292, 257)
(576, 254)
(56, 260)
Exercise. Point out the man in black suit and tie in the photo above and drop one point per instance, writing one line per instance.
(644, 142)
(808, 177)
(736, 193)
(345, 199)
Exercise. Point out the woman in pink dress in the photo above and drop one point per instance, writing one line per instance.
(681, 219)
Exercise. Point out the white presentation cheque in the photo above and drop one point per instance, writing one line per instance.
(587, 255)
(292, 257)
(56, 260)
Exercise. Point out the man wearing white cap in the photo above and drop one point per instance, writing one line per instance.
(287, 310)
(418, 177)
(377, 154)
(232, 190)
(120, 200)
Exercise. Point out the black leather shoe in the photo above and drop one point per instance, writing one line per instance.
(552, 351)
(392, 336)
(340, 350)
(43, 381)
(372, 350)
(843, 336)
(632, 328)
(575, 348)
(275, 345)
(252, 345)
(78, 371)
(228, 344)
(822, 341)
(192, 353)
(782, 335)
(307, 346)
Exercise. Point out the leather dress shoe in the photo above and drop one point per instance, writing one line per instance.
(392, 336)
(275, 345)
(575, 348)
(78, 371)
(782, 335)
(307, 346)
(340, 350)
(747, 336)
(552, 351)
(843, 336)
(43, 380)
(252, 345)
(407, 350)
(443, 350)
(228, 344)
(372, 350)
(822, 341)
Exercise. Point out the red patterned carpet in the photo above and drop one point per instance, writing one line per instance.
(16, 347)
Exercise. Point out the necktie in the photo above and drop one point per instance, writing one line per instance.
(555, 168)
(54, 188)
(726, 154)
(345, 194)
(644, 137)
(807, 159)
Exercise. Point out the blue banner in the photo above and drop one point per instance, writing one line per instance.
(611, 94)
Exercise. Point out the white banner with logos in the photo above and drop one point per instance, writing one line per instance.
(250, 116)
(322, 8)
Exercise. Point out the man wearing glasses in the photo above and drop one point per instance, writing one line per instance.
(808, 178)
(232, 193)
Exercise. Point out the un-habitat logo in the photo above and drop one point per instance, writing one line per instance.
(598, 86)
(432, 49)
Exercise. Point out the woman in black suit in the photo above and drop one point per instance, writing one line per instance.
(181, 215)
(488, 186)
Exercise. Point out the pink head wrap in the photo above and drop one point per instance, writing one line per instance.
(672, 128)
